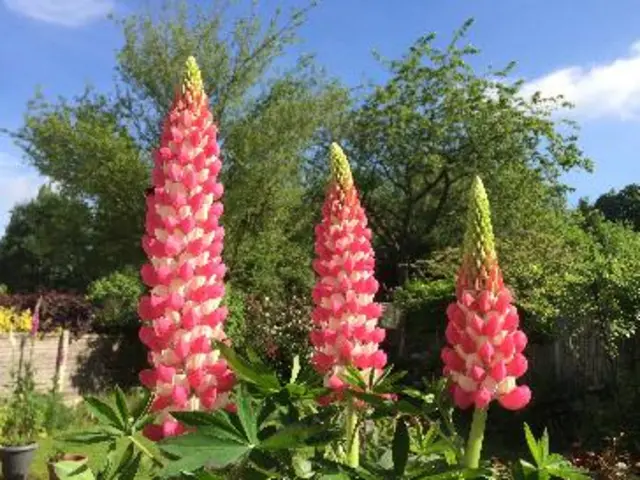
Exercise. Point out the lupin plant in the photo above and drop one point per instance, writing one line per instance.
(345, 316)
(485, 357)
(182, 315)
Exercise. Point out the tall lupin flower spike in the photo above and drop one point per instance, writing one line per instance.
(484, 358)
(182, 315)
(345, 315)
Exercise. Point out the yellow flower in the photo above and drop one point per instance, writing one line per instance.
(13, 321)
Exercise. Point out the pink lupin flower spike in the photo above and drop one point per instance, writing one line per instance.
(182, 315)
(485, 353)
(345, 314)
(346, 332)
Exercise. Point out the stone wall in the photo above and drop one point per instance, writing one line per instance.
(77, 365)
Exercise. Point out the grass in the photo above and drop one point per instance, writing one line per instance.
(49, 447)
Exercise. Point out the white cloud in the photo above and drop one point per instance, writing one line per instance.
(69, 13)
(606, 90)
(17, 184)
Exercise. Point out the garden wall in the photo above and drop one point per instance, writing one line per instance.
(78, 365)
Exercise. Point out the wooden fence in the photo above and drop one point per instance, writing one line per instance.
(74, 366)
(568, 367)
(91, 363)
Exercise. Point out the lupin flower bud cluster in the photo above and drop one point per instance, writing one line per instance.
(182, 314)
(345, 315)
(485, 353)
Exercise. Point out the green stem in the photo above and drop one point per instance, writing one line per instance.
(145, 450)
(353, 439)
(476, 436)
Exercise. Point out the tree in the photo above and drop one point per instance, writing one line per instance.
(83, 146)
(47, 245)
(417, 140)
(622, 206)
(98, 147)
(606, 297)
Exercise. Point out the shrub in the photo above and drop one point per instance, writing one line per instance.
(278, 330)
(235, 325)
(423, 306)
(57, 310)
(14, 320)
(420, 300)
(22, 421)
(115, 298)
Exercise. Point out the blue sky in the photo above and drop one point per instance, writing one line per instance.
(588, 50)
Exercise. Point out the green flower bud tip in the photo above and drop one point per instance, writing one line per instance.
(479, 242)
(192, 80)
(340, 170)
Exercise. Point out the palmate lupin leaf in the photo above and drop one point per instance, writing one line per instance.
(122, 407)
(104, 413)
(400, 451)
(546, 464)
(68, 470)
(221, 440)
(257, 374)
(118, 422)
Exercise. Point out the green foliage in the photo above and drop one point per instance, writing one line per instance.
(118, 421)
(622, 206)
(607, 297)
(46, 245)
(22, 422)
(57, 310)
(49, 413)
(546, 465)
(56, 416)
(277, 329)
(418, 140)
(423, 305)
(583, 277)
(116, 298)
(67, 469)
(279, 433)
(96, 147)
(275, 426)
(83, 147)
(235, 325)
(424, 301)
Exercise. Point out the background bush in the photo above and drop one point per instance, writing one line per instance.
(423, 304)
(235, 326)
(57, 310)
(277, 329)
(13, 320)
(115, 298)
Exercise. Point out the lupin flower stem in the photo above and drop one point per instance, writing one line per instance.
(352, 435)
(476, 437)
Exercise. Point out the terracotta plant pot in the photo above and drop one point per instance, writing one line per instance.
(16, 461)
(67, 457)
